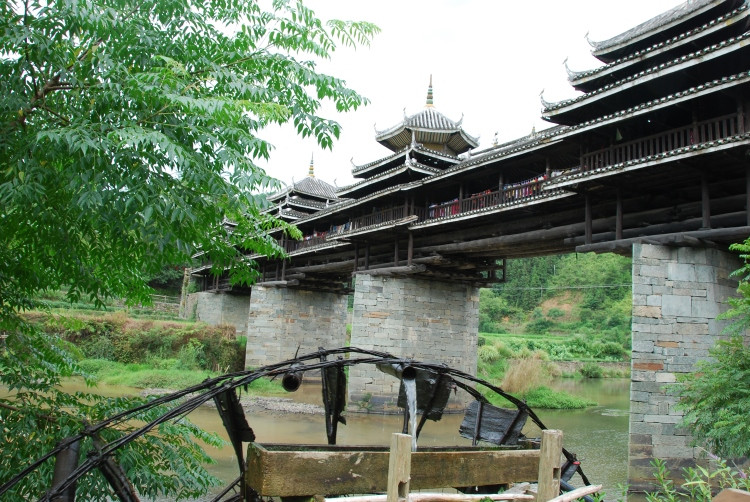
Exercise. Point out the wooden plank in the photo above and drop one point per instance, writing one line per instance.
(497, 425)
(296, 470)
(549, 465)
(436, 497)
(732, 495)
(399, 468)
(577, 493)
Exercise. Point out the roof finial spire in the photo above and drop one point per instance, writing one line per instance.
(429, 94)
(311, 171)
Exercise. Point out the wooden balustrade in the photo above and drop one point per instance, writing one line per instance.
(693, 134)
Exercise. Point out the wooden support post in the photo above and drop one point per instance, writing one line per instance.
(395, 253)
(705, 201)
(747, 195)
(399, 468)
(500, 187)
(549, 465)
(410, 249)
(588, 225)
(618, 216)
(356, 256)
(367, 257)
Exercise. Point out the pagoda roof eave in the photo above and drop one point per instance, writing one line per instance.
(579, 78)
(358, 170)
(552, 111)
(665, 20)
(411, 166)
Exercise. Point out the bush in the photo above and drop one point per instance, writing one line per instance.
(591, 370)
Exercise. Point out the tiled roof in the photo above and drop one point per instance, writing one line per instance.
(548, 107)
(576, 75)
(434, 128)
(653, 24)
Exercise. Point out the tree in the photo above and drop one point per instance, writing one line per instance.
(128, 133)
(716, 397)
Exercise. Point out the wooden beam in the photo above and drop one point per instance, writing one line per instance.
(402, 270)
(677, 239)
(278, 284)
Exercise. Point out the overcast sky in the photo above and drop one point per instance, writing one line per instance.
(489, 60)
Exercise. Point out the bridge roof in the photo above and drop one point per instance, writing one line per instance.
(643, 35)
(671, 76)
(428, 126)
(588, 80)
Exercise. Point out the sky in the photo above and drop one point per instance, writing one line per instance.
(489, 59)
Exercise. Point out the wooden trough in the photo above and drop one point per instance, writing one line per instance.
(307, 470)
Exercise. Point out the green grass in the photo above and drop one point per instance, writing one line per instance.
(163, 374)
(542, 398)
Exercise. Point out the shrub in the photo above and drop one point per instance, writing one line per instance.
(591, 370)
(525, 374)
(488, 354)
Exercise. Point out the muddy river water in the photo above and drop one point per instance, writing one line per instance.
(598, 434)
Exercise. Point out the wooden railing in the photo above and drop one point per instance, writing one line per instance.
(376, 218)
(486, 199)
(700, 132)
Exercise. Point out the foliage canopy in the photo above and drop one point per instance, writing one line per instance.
(129, 132)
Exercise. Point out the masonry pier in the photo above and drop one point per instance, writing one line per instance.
(431, 321)
(678, 292)
(284, 321)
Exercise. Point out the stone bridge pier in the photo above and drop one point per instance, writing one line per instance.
(281, 321)
(677, 295)
(430, 321)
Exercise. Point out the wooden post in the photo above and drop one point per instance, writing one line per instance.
(618, 215)
(549, 465)
(410, 249)
(588, 224)
(705, 201)
(399, 468)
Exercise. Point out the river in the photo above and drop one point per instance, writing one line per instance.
(598, 434)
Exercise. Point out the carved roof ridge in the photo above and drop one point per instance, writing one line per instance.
(574, 75)
(548, 106)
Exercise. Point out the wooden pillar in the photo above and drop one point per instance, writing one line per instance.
(547, 168)
(367, 257)
(741, 126)
(410, 249)
(283, 270)
(705, 201)
(618, 215)
(399, 468)
(747, 195)
(395, 253)
(549, 465)
(588, 224)
(500, 187)
(356, 256)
